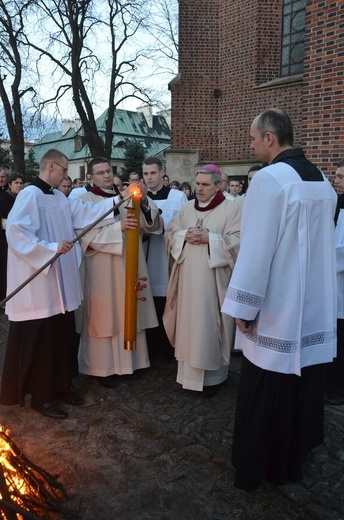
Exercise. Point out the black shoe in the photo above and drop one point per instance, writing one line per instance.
(107, 382)
(128, 377)
(71, 398)
(49, 410)
(236, 353)
(334, 399)
(210, 391)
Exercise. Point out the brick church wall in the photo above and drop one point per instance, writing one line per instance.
(323, 84)
(193, 95)
(229, 73)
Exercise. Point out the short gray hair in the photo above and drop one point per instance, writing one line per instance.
(277, 122)
(216, 177)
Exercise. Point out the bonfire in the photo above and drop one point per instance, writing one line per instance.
(26, 490)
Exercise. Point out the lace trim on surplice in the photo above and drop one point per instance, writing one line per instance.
(290, 346)
(252, 300)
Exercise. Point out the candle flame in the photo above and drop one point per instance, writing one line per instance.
(135, 191)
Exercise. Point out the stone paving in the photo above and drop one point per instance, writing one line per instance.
(169, 450)
(206, 427)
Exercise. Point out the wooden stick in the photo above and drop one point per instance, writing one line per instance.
(56, 255)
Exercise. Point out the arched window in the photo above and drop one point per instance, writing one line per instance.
(293, 35)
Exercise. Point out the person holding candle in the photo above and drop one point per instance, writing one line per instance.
(203, 240)
(101, 320)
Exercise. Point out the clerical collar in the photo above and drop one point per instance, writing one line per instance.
(205, 204)
(215, 201)
(289, 153)
(43, 186)
(160, 194)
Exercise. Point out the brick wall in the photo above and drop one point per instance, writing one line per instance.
(193, 101)
(323, 83)
(229, 60)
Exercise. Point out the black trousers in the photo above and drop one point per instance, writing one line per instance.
(41, 359)
(279, 419)
(334, 381)
(157, 340)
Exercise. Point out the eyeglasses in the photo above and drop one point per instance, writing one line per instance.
(65, 170)
(103, 172)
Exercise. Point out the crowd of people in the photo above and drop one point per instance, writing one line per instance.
(255, 268)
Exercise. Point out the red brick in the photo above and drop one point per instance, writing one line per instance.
(227, 50)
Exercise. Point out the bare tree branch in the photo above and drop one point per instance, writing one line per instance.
(87, 51)
(11, 59)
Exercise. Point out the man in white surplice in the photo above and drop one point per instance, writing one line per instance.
(41, 352)
(169, 202)
(283, 296)
(203, 239)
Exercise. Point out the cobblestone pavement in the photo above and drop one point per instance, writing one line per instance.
(149, 450)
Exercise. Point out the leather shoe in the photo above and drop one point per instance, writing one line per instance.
(49, 410)
(210, 391)
(71, 398)
(334, 399)
(107, 382)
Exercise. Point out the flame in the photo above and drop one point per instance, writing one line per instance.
(24, 484)
(13, 480)
(135, 191)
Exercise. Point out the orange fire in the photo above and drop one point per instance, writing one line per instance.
(15, 483)
(24, 486)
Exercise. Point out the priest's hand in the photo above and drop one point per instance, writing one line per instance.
(129, 221)
(192, 236)
(243, 325)
(197, 236)
(64, 246)
(204, 236)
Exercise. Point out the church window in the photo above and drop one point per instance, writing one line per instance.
(293, 35)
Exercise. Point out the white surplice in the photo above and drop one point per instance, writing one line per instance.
(284, 278)
(339, 244)
(35, 226)
(155, 246)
